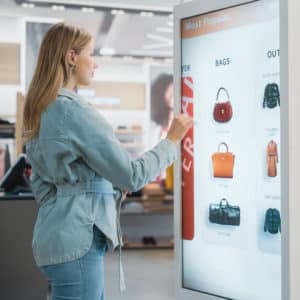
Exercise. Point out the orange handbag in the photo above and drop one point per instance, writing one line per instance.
(223, 163)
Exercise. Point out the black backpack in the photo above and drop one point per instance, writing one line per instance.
(272, 221)
(271, 96)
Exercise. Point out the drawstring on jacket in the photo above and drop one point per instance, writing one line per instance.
(121, 270)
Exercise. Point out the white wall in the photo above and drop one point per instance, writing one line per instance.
(11, 31)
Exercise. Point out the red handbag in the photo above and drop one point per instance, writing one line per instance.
(222, 110)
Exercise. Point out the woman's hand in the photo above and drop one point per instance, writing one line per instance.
(179, 127)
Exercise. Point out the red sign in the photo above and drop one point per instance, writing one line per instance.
(187, 159)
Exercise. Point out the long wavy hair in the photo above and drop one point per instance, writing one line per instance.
(51, 73)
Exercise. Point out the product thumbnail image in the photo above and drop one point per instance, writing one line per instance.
(224, 213)
(272, 221)
(271, 96)
(222, 110)
(272, 159)
(223, 162)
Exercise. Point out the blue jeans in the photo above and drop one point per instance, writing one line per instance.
(81, 279)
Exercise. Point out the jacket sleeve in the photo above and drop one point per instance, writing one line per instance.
(266, 221)
(279, 221)
(92, 138)
(265, 98)
(278, 93)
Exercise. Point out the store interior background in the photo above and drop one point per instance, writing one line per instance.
(133, 46)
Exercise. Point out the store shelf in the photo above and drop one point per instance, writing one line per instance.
(147, 198)
(7, 116)
(140, 245)
(164, 197)
(7, 131)
(149, 205)
(155, 211)
(148, 212)
(8, 126)
(7, 137)
(128, 131)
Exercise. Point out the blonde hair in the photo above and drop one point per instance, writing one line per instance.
(51, 73)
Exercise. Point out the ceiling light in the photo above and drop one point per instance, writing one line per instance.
(107, 58)
(127, 57)
(27, 5)
(148, 59)
(164, 29)
(107, 51)
(58, 7)
(147, 14)
(88, 9)
(117, 12)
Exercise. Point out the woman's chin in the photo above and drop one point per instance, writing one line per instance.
(86, 82)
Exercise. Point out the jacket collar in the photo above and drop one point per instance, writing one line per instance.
(68, 93)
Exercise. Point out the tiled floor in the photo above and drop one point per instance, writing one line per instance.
(149, 275)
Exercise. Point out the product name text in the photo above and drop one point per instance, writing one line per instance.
(273, 53)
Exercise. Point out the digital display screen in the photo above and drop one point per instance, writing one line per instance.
(231, 195)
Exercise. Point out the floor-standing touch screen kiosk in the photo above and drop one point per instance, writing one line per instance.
(230, 168)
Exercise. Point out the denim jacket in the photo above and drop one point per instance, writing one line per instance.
(79, 169)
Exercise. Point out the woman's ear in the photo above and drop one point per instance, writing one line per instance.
(71, 57)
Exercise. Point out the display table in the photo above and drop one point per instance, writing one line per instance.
(19, 277)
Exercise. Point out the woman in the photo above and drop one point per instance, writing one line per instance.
(162, 105)
(162, 114)
(79, 167)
